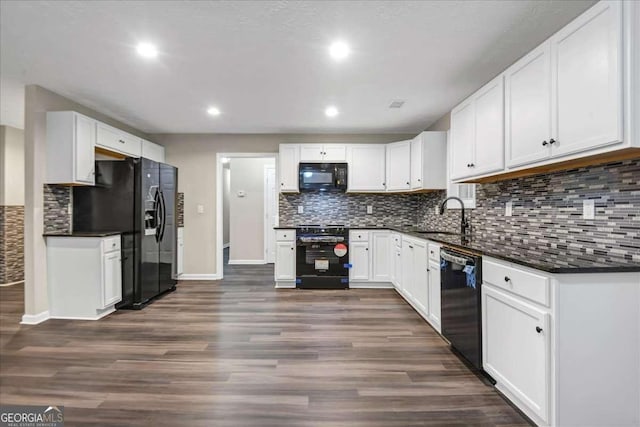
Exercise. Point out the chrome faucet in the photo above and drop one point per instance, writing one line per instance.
(464, 224)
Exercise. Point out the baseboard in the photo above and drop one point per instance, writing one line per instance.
(200, 277)
(286, 285)
(11, 284)
(226, 245)
(247, 262)
(96, 317)
(370, 285)
(34, 319)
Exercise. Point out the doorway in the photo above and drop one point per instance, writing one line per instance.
(247, 209)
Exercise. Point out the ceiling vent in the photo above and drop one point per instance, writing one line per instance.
(396, 104)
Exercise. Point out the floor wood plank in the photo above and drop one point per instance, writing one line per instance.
(240, 353)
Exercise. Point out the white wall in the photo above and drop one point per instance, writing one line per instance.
(246, 214)
(11, 166)
(226, 188)
(195, 156)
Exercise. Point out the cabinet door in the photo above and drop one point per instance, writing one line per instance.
(421, 277)
(366, 167)
(85, 141)
(489, 128)
(180, 257)
(285, 265)
(434, 295)
(397, 268)
(152, 151)
(516, 348)
(406, 260)
(399, 166)
(587, 80)
(462, 135)
(381, 257)
(288, 161)
(416, 162)
(111, 279)
(334, 153)
(311, 153)
(116, 140)
(359, 260)
(528, 108)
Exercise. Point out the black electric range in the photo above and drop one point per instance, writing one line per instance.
(322, 256)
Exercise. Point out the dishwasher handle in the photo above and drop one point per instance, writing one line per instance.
(452, 258)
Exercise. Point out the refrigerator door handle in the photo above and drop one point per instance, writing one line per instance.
(164, 215)
(159, 208)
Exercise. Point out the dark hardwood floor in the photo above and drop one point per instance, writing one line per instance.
(240, 353)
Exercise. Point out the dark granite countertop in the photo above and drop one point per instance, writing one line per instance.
(551, 259)
(84, 234)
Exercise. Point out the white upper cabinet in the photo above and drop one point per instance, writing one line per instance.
(288, 161)
(429, 161)
(528, 108)
(477, 132)
(152, 151)
(399, 166)
(323, 153)
(462, 139)
(366, 171)
(587, 80)
(71, 139)
(118, 141)
(488, 149)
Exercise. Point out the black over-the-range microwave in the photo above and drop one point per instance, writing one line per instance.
(323, 177)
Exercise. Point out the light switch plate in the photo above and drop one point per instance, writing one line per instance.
(369, 209)
(436, 210)
(508, 209)
(589, 209)
(200, 209)
(300, 209)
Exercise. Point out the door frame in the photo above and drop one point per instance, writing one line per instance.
(267, 228)
(219, 200)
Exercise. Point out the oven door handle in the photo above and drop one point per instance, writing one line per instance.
(452, 258)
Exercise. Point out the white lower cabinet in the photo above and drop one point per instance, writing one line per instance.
(434, 287)
(381, 267)
(180, 252)
(84, 276)
(360, 261)
(552, 351)
(285, 265)
(516, 348)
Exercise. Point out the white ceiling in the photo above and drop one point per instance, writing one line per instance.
(265, 63)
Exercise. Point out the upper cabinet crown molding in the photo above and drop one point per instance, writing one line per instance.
(573, 101)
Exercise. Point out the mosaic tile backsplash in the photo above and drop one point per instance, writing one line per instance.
(57, 218)
(547, 210)
(11, 244)
(180, 210)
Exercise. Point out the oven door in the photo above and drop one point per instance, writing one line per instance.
(322, 177)
(321, 265)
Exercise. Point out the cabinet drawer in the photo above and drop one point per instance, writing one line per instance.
(434, 252)
(111, 244)
(521, 282)
(359, 236)
(116, 140)
(286, 235)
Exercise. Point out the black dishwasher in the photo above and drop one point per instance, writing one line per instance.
(461, 279)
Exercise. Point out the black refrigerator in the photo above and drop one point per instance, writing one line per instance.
(136, 197)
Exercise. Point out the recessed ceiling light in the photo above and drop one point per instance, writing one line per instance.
(213, 111)
(339, 50)
(147, 50)
(331, 111)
